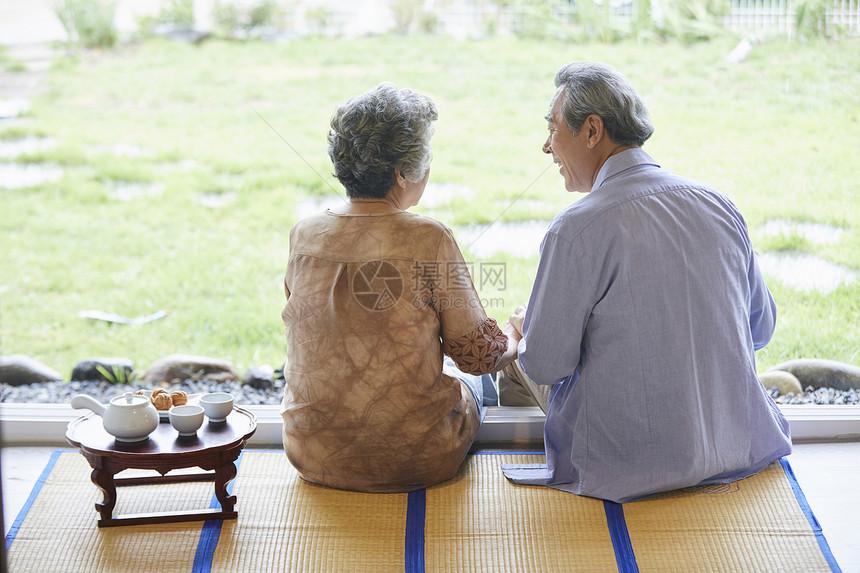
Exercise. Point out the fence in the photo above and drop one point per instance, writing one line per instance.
(748, 17)
(761, 16)
(548, 18)
(779, 16)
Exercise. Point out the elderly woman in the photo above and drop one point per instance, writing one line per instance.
(376, 296)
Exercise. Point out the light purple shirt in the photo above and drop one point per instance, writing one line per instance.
(645, 314)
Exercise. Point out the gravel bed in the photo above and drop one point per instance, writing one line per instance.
(820, 396)
(62, 392)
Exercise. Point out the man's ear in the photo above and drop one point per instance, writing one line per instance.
(594, 125)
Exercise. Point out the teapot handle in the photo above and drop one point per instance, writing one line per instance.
(82, 401)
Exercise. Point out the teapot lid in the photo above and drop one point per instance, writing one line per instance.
(129, 399)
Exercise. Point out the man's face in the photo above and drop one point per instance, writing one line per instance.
(568, 150)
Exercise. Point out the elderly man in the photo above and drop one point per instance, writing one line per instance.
(645, 315)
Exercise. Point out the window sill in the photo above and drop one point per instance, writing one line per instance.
(45, 424)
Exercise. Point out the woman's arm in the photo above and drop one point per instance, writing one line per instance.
(514, 337)
(486, 349)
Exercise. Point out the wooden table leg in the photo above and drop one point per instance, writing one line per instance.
(223, 475)
(103, 478)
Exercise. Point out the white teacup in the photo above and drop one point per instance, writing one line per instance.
(186, 419)
(217, 405)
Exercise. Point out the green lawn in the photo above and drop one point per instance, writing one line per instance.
(778, 133)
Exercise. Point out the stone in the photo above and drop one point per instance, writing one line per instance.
(179, 33)
(17, 369)
(260, 377)
(25, 175)
(181, 367)
(89, 369)
(13, 107)
(784, 382)
(820, 373)
(740, 52)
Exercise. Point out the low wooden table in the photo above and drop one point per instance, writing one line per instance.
(215, 447)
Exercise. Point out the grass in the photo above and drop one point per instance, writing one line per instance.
(778, 133)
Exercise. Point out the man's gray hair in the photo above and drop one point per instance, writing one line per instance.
(378, 132)
(597, 88)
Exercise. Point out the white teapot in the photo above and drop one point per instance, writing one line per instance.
(128, 418)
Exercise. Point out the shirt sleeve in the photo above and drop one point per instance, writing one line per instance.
(559, 306)
(479, 351)
(473, 341)
(762, 307)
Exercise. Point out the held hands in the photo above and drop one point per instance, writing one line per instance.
(513, 329)
(516, 320)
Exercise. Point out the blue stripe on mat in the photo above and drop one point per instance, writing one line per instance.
(416, 509)
(807, 511)
(211, 532)
(16, 525)
(624, 556)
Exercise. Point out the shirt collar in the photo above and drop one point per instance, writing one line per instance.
(622, 162)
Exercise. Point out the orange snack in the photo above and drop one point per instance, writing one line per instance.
(161, 400)
(179, 397)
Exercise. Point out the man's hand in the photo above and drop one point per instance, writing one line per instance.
(512, 333)
(517, 318)
(513, 330)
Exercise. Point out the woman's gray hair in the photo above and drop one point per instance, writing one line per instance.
(597, 88)
(378, 132)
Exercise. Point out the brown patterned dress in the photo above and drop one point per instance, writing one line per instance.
(373, 301)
